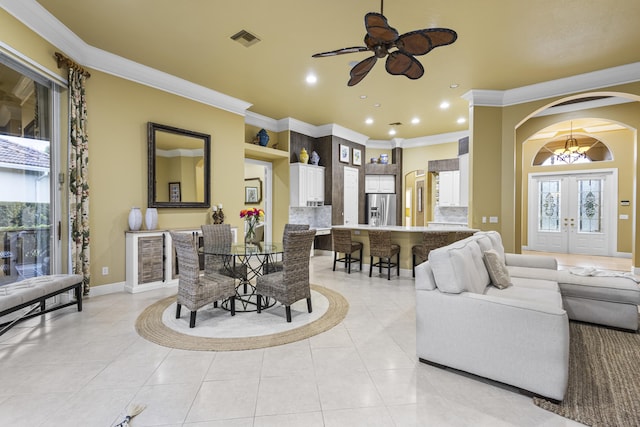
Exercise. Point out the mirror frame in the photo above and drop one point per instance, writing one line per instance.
(152, 128)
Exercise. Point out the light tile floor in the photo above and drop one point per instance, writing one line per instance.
(83, 369)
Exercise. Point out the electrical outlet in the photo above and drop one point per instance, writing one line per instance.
(105, 271)
(493, 219)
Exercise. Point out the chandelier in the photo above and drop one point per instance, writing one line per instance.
(572, 150)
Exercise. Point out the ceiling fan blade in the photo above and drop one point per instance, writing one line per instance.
(342, 51)
(360, 70)
(399, 63)
(378, 28)
(421, 42)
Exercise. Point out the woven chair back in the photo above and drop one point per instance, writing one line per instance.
(188, 265)
(380, 243)
(341, 240)
(295, 259)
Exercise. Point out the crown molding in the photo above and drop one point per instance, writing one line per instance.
(39, 20)
(565, 86)
(442, 138)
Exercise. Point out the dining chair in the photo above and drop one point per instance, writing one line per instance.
(380, 246)
(430, 240)
(219, 235)
(342, 243)
(276, 265)
(292, 283)
(196, 291)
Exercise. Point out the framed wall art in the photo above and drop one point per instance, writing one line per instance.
(174, 192)
(344, 153)
(357, 157)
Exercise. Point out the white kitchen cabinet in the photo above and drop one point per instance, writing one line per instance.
(380, 184)
(449, 188)
(306, 185)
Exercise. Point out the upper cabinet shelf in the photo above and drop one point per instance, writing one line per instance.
(258, 152)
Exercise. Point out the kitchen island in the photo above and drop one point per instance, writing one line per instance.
(405, 236)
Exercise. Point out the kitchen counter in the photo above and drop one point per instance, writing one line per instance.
(405, 236)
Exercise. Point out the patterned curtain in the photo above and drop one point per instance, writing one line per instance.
(78, 176)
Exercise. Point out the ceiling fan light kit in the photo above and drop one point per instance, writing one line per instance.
(400, 50)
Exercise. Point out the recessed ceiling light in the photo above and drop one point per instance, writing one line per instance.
(392, 132)
(454, 85)
(311, 79)
(363, 96)
(415, 121)
(369, 121)
(444, 105)
(461, 120)
(376, 105)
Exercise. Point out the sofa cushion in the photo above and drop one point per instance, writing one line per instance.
(540, 296)
(497, 269)
(494, 239)
(612, 289)
(459, 267)
(528, 282)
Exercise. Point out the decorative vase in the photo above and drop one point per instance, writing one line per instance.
(250, 234)
(263, 138)
(151, 218)
(220, 216)
(315, 158)
(304, 156)
(135, 219)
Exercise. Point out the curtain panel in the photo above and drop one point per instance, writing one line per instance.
(78, 177)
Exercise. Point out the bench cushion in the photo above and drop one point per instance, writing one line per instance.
(14, 294)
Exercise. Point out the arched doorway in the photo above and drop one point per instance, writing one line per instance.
(624, 154)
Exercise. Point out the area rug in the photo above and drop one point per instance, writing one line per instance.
(157, 324)
(604, 378)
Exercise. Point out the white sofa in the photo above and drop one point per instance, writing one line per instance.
(518, 335)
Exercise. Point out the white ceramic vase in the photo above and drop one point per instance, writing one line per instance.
(151, 218)
(135, 219)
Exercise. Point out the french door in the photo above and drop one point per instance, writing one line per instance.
(573, 213)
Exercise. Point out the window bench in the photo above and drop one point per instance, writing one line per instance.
(36, 290)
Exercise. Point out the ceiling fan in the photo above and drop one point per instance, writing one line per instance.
(381, 39)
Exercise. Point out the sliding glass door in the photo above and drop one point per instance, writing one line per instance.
(28, 190)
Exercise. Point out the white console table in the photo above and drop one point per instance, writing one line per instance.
(150, 258)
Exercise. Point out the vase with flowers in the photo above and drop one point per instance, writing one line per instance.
(251, 218)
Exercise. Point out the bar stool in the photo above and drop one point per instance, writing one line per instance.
(430, 240)
(342, 243)
(380, 246)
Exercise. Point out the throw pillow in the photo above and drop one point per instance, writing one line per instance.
(497, 269)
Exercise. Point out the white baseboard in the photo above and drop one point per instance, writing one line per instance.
(110, 288)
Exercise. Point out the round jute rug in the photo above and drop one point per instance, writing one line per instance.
(150, 326)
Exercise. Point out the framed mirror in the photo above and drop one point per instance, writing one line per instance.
(252, 191)
(179, 167)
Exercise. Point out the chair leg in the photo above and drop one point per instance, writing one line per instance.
(398, 263)
(309, 309)
(259, 302)
(178, 307)
(389, 268)
(335, 258)
(215, 304)
(288, 310)
(192, 319)
(360, 259)
(413, 264)
(370, 266)
(232, 302)
(348, 262)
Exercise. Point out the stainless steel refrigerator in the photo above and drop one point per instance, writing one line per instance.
(381, 209)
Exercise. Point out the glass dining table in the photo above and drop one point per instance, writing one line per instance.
(258, 260)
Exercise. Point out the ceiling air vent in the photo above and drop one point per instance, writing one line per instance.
(245, 38)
